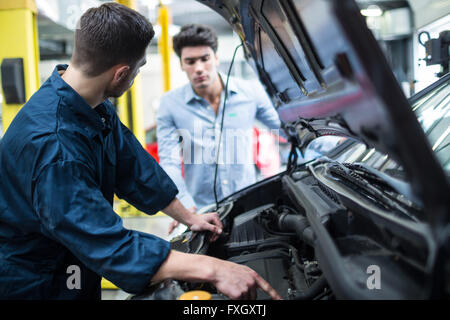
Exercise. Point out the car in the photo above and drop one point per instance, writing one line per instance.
(366, 216)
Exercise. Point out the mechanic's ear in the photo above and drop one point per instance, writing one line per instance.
(121, 73)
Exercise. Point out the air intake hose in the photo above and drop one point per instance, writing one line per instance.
(298, 224)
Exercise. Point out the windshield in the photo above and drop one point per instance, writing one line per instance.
(433, 112)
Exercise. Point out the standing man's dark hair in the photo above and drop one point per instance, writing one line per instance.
(108, 35)
(194, 35)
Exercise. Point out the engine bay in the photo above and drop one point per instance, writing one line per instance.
(261, 240)
(263, 230)
(310, 241)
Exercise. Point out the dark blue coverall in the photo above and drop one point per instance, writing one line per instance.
(61, 162)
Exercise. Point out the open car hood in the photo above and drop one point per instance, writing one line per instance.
(323, 68)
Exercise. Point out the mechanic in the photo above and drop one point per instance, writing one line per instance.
(194, 113)
(62, 159)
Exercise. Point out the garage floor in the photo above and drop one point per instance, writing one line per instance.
(157, 225)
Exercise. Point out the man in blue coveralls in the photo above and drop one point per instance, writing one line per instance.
(62, 159)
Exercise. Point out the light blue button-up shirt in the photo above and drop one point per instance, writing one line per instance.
(188, 121)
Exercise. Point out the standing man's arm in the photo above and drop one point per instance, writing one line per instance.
(265, 111)
(168, 138)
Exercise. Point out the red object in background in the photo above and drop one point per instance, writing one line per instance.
(150, 142)
(266, 154)
(152, 148)
(255, 145)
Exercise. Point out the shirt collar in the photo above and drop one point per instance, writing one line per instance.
(94, 120)
(191, 95)
(232, 86)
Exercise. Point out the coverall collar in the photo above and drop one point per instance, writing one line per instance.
(94, 120)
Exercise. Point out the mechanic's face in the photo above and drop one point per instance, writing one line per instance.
(200, 64)
(124, 78)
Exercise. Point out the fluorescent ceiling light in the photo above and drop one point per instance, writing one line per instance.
(372, 11)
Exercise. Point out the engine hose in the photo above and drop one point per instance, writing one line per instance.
(297, 224)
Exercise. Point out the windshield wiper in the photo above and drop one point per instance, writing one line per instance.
(382, 190)
(402, 189)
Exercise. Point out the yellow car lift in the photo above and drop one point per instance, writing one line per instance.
(165, 43)
(18, 29)
(130, 104)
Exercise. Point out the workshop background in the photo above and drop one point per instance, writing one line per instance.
(41, 33)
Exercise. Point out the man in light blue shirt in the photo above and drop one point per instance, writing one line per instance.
(190, 117)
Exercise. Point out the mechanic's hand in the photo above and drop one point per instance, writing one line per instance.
(175, 223)
(233, 280)
(240, 282)
(208, 222)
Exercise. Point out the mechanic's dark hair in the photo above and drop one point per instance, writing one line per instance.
(193, 35)
(108, 35)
